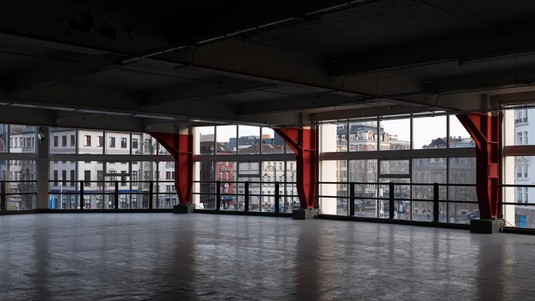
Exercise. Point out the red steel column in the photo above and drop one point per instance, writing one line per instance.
(487, 134)
(304, 143)
(180, 146)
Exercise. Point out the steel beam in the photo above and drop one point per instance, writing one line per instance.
(304, 143)
(486, 131)
(180, 146)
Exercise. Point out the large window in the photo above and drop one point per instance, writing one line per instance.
(398, 158)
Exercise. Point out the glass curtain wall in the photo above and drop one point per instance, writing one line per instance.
(81, 161)
(519, 165)
(18, 169)
(239, 163)
(402, 158)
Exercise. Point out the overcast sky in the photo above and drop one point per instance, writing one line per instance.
(425, 129)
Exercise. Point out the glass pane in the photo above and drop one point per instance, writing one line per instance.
(459, 137)
(62, 141)
(463, 172)
(334, 191)
(226, 175)
(223, 137)
(363, 136)
(143, 144)
(95, 188)
(206, 138)
(362, 172)
(23, 138)
(21, 187)
(117, 143)
(429, 132)
(3, 170)
(395, 167)
(4, 136)
(395, 134)
(429, 170)
(248, 141)
(145, 174)
(90, 142)
(522, 126)
(272, 143)
(402, 204)
(342, 136)
(207, 186)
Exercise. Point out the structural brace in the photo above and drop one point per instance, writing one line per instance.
(304, 143)
(180, 146)
(487, 134)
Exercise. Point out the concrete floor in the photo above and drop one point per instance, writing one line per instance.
(161, 256)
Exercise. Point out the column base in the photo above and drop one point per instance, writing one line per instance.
(305, 213)
(486, 226)
(182, 209)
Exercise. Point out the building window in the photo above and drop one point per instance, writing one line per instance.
(526, 138)
(519, 138)
(64, 140)
(100, 141)
(519, 194)
(73, 140)
(123, 178)
(135, 143)
(87, 140)
(55, 178)
(112, 141)
(56, 139)
(87, 178)
(526, 195)
(64, 178)
(134, 177)
(72, 178)
(123, 143)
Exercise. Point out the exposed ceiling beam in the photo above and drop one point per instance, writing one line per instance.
(514, 98)
(457, 47)
(198, 90)
(510, 76)
(58, 71)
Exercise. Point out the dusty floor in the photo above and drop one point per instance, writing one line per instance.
(161, 256)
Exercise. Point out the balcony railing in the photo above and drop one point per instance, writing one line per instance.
(115, 195)
(18, 195)
(417, 202)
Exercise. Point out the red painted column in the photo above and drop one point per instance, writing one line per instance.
(180, 146)
(487, 134)
(304, 143)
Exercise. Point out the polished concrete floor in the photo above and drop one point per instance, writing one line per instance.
(161, 256)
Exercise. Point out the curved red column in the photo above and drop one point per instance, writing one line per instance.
(180, 146)
(304, 143)
(487, 134)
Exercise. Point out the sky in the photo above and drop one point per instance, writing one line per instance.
(425, 129)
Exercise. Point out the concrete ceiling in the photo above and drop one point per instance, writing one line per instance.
(155, 65)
